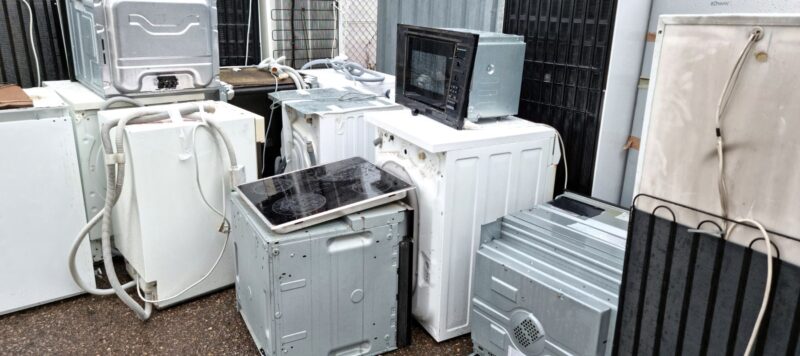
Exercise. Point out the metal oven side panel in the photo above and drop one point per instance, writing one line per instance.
(496, 79)
(336, 290)
(253, 276)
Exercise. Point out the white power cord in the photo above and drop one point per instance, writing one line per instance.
(563, 154)
(63, 37)
(247, 36)
(272, 108)
(336, 24)
(755, 35)
(33, 43)
(724, 99)
(767, 288)
(224, 227)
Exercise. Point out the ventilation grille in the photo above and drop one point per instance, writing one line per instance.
(527, 333)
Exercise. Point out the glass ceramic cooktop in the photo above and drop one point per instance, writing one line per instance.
(317, 190)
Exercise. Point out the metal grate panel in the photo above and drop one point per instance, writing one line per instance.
(17, 63)
(232, 25)
(304, 30)
(566, 60)
(689, 293)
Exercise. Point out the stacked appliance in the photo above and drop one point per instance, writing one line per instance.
(323, 260)
(547, 279)
(144, 47)
(41, 204)
(161, 187)
(463, 179)
(170, 221)
(325, 125)
(454, 74)
(470, 161)
(84, 104)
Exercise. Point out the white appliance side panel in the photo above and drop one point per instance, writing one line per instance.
(484, 184)
(426, 171)
(678, 160)
(41, 212)
(176, 233)
(345, 135)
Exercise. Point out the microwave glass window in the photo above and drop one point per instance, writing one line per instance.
(428, 76)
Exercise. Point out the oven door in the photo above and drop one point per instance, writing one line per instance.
(428, 70)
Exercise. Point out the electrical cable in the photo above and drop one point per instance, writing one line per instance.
(225, 227)
(247, 36)
(755, 35)
(336, 14)
(33, 43)
(563, 157)
(563, 154)
(722, 105)
(63, 37)
(266, 134)
(768, 284)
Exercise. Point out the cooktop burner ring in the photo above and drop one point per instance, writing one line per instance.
(299, 204)
(376, 185)
(366, 173)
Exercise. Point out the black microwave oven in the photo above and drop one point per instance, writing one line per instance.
(450, 75)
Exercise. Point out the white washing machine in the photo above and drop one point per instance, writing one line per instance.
(169, 237)
(41, 209)
(327, 125)
(463, 178)
(83, 105)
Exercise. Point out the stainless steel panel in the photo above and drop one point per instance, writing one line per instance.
(485, 15)
(496, 76)
(556, 269)
(124, 47)
(329, 289)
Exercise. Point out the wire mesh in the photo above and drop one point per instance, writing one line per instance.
(304, 30)
(360, 30)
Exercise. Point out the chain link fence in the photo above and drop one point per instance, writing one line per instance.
(359, 30)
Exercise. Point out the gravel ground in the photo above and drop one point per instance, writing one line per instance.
(210, 325)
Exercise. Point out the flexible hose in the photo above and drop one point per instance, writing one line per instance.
(120, 99)
(73, 268)
(351, 70)
(268, 64)
(115, 180)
